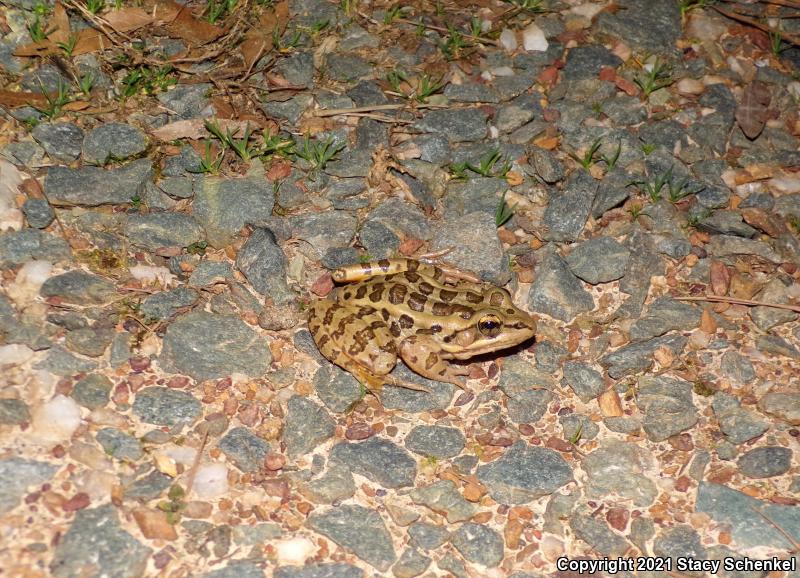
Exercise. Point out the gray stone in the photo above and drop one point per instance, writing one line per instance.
(644, 264)
(165, 406)
(358, 529)
(428, 536)
(297, 68)
(411, 563)
(738, 424)
(335, 486)
(264, 264)
(528, 406)
(208, 346)
(39, 213)
(148, 487)
(178, 187)
(765, 462)
(645, 26)
(378, 240)
(479, 544)
(245, 449)
(256, 534)
(118, 444)
(237, 569)
(338, 570)
(166, 304)
(782, 405)
(524, 473)
(209, 273)
(61, 140)
(737, 511)
(567, 211)
(549, 356)
(79, 287)
(337, 389)
(323, 231)
(113, 141)
(92, 391)
(450, 563)
(476, 247)
(470, 92)
(765, 318)
(638, 357)
(289, 110)
(13, 412)
(19, 247)
(24, 152)
(458, 124)
(307, 426)
(438, 396)
(155, 230)
(737, 367)
(586, 61)
(667, 405)
(680, 541)
(59, 361)
(619, 468)
(599, 260)
(187, 101)
(17, 475)
(586, 382)
(776, 345)
(90, 341)
(598, 535)
(93, 186)
(519, 376)
(96, 540)
(443, 498)
(665, 314)
(731, 246)
(546, 165)
(224, 206)
(435, 441)
(556, 291)
(346, 67)
(578, 427)
(378, 459)
(727, 223)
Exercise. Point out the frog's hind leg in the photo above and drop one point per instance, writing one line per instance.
(425, 356)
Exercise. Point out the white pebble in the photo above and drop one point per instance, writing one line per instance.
(29, 280)
(533, 39)
(690, 86)
(294, 551)
(508, 39)
(786, 184)
(151, 274)
(10, 178)
(15, 354)
(211, 480)
(502, 71)
(56, 420)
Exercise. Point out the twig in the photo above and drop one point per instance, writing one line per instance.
(196, 464)
(785, 3)
(735, 301)
(794, 39)
(795, 544)
(441, 29)
(377, 107)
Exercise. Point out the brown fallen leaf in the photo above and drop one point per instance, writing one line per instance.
(258, 41)
(720, 278)
(16, 99)
(753, 109)
(610, 404)
(194, 129)
(707, 323)
(186, 27)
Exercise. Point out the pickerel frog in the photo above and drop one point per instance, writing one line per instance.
(422, 313)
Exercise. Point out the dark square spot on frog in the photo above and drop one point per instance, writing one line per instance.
(474, 297)
(385, 314)
(397, 293)
(447, 295)
(394, 329)
(425, 288)
(405, 321)
(411, 276)
(384, 265)
(377, 293)
(496, 298)
(362, 291)
(441, 309)
(416, 302)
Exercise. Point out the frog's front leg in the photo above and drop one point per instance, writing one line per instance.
(423, 355)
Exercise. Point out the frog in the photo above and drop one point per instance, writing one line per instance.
(426, 314)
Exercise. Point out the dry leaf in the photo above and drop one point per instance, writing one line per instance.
(258, 41)
(753, 109)
(279, 171)
(514, 178)
(194, 129)
(59, 25)
(664, 356)
(610, 405)
(720, 278)
(707, 323)
(185, 26)
(17, 99)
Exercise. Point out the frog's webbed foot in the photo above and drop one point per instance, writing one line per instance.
(374, 382)
(423, 355)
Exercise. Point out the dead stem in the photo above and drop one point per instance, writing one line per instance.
(735, 301)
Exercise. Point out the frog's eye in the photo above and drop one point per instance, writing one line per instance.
(490, 325)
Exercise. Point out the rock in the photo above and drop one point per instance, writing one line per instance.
(784, 406)
(476, 247)
(92, 391)
(237, 569)
(479, 544)
(13, 412)
(79, 287)
(118, 444)
(735, 509)
(324, 231)
(224, 206)
(765, 462)
(97, 540)
(90, 341)
(187, 101)
(59, 361)
(731, 246)
(618, 468)
(245, 449)
(335, 486)
(208, 346)
(93, 186)
(546, 165)
(319, 571)
(458, 124)
(524, 473)
(378, 459)
(61, 140)
(727, 223)
(665, 314)
(737, 367)
(599, 260)
(39, 213)
(337, 389)
(681, 541)
(428, 536)
(264, 264)
(598, 535)
(567, 211)
(56, 419)
(411, 563)
(307, 426)
(19, 247)
(586, 61)
(435, 441)
(347, 67)
(667, 405)
(556, 291)
(443, 498)
(148, 487)
(166, 304)
(638, 357)
(584, 380)
(533, 39)
(738, 424)
(438, 396)
(766, 318)
(153, 231)
(17, 475)
(358, 529)
(647, 27)
(209, 273)
(450, 563)
(777, 346)
(113, 141)
(165, 406)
